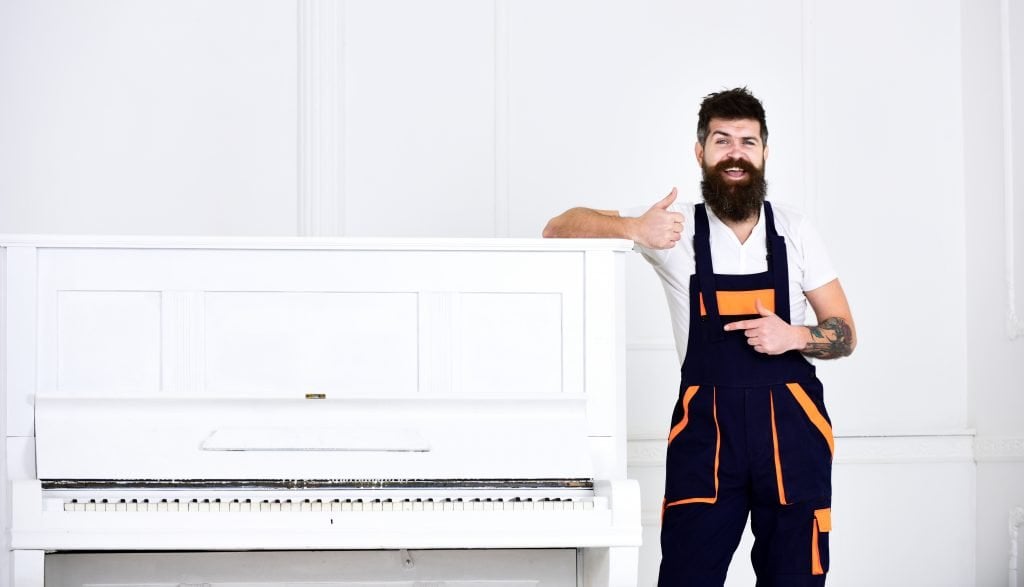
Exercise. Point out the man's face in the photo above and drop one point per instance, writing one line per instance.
(732, 160)
(732, 140)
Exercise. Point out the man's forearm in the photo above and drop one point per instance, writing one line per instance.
(587, 222)
(831, 339)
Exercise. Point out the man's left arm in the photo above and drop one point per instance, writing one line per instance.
(833, 337)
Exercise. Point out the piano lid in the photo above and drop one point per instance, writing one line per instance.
(349, 438)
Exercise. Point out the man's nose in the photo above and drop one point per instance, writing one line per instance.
(735, 152)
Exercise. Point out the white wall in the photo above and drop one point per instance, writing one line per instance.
(994, 171)
(469, 118)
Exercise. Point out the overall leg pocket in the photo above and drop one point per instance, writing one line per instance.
(802, 441)
(821, 526)
(694, 444)
(791, 543)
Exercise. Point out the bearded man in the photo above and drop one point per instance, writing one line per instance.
(749, 434)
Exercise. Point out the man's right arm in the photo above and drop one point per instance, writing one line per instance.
(655, 229)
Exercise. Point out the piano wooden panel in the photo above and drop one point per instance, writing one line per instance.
(390, 568)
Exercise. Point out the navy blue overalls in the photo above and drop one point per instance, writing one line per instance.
(749, 434)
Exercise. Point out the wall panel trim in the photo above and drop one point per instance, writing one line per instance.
(1014, 326)
(321, 111)
(999, 449)
(945, 448)
(1016, 519)
(501, 118)
(651, 344)
(808, 94)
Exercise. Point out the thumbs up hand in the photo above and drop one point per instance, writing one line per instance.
(658, 228)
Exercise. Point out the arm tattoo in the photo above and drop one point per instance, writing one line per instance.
(831, 339)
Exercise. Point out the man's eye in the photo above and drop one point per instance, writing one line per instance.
(721, 142)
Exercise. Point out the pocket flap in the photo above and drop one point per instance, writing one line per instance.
(824, 519)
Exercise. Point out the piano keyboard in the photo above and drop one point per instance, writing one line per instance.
(328, 505)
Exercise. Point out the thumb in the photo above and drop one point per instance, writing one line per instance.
(667, 200)
(763, 311)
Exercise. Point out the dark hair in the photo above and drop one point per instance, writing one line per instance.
(734, 104)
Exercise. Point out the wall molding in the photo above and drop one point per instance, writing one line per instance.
(651, 344)
(502, 47)
(999, 449)
(321, 118)
(649, 452)
(941, 448)
(1016, 519)
(1014, 326)
(808, 94)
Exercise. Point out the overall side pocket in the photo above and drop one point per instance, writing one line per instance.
(691, 468)
(803, 442)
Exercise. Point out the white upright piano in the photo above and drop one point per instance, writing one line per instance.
(331, 412)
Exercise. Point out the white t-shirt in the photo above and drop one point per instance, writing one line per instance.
(809, 265)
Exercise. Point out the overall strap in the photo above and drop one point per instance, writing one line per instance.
(705, 272)
(777, 264)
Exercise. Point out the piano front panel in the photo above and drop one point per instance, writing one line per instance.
(266, 343)
(269, 324)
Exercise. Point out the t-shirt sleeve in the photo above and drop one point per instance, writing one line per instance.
(818, 268)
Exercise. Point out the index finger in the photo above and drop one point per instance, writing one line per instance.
(740, 325)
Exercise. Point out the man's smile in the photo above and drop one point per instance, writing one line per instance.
(735, 172)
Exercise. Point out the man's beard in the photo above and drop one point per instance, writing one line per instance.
(733, 201)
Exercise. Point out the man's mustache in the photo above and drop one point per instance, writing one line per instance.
(729, 163)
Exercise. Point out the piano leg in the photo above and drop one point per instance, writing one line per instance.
(610, 567)
(27, 568)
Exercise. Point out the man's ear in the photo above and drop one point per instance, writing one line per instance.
(765, 156)
(698, 150)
